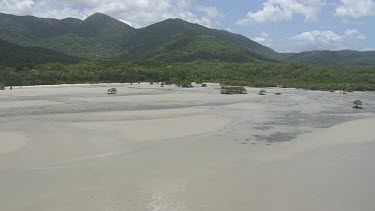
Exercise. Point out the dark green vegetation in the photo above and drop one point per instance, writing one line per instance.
(204, 47)
(357, 104)
(112, 91)
(257, 74)
(47, 51)
(19, 56)
(262, 92)
(343, 58)
(100, 36)
(229, 90)
(181, 83)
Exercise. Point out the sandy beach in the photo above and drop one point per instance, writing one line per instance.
(152, 148)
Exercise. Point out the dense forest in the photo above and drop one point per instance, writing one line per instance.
(256, 73)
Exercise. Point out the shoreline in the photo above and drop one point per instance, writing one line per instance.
(173, 85)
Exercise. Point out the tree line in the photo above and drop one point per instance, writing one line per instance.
(256, 74)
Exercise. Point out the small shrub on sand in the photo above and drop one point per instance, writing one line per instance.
(262, 92)
(228, 90)
(357, 104)
(112, 91)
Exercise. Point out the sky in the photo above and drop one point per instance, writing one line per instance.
(284, 25)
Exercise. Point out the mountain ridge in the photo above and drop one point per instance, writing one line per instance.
(108, 37)
(100, 36)
(327, 57)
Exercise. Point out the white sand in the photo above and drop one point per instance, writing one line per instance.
(92, 154)
(11, 142)
(246, 106)
(158, 129)
(26, 103)
(158, 112)
(354, 132)
(165, 97)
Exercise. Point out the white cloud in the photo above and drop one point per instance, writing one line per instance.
(263, 39)
(356, 8)
(11, 6)
(320, 40)
(368, 49)
(211, 17)
(274, 11)
(138, 13)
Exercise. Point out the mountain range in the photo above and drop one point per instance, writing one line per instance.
(101, 37)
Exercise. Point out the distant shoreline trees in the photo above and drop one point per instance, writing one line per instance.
(254, 74)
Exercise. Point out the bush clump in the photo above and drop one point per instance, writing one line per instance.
(184, 84)
(357, 104)
(228, 90)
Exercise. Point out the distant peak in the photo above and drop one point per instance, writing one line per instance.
(98, 15)
(175, 20)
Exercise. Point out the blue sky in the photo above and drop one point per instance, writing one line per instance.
(284, 25)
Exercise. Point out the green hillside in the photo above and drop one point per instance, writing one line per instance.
(204, 47)
(103, 37)
(99, 36)
(20, 56)
(342, 58)
(153, 38)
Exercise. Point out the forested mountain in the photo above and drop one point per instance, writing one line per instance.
(100, 36)
(342, 58)
(153, 38)
(204, 47)
(19, 56)
(173, 40)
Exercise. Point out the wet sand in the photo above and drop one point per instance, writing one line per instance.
(73, 147)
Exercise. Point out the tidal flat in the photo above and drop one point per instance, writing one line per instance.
(152, 148)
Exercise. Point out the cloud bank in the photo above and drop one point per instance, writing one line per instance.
(136, 13)
(275, 11)
(319, 40)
